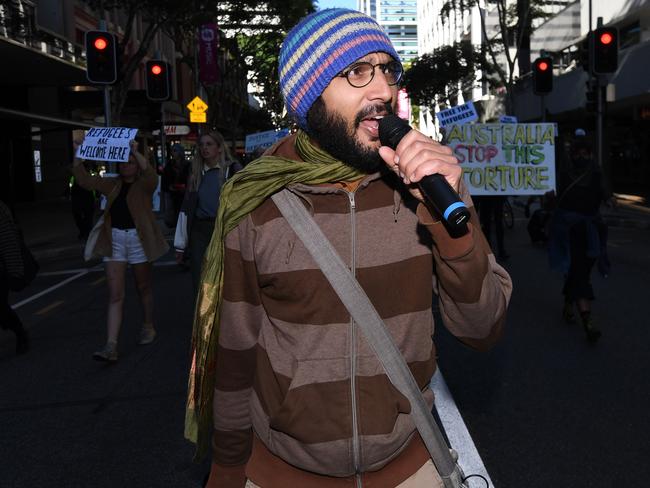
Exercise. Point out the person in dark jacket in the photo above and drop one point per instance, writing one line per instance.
(575, 242)
(11, 264)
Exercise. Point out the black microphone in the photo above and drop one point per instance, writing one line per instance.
(434, 187)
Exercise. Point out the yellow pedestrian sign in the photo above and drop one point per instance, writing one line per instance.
(197, 106)
(198, 117)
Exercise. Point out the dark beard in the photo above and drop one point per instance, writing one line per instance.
(331, 132)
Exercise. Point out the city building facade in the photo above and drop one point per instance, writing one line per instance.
(399, 20)
(47, 95)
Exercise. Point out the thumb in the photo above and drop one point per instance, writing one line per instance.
(389, 156)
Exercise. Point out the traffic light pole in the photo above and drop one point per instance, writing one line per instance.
(163, 139)
(599, 123)
(112, 167)
(107, 106)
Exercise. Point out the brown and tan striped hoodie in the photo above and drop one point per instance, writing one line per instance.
(294, 372)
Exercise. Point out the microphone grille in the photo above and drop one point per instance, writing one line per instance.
(392, 129)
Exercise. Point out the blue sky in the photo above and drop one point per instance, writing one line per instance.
(337, 3)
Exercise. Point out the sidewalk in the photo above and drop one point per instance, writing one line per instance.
(50, 231)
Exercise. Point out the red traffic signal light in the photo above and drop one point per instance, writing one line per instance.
(158, 81)
(606, 38)
(101, 58)
(100, 43)
(605, 59)
(543, 75)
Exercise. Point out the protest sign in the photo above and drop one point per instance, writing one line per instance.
(505, 159)
(110, 144)
(263, 139)
(460, 114)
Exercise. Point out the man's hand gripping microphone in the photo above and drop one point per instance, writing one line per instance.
(434, 187)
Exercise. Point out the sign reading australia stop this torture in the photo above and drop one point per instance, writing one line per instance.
(110, 144)
(505, 159)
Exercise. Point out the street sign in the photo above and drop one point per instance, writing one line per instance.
(174, 130)
(197, 106)
(197, 111)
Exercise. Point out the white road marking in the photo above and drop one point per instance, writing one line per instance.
(77, 273)
(50, 289)
(459, 438)
(70, 271)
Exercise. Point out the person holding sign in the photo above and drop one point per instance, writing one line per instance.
(129, 235)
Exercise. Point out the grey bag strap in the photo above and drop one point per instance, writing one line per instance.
(364, 314)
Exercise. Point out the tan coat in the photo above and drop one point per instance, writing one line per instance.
(138, 201)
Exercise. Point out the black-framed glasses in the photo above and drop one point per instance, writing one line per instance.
(361, 74)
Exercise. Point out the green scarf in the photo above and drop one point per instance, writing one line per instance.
(242, 194)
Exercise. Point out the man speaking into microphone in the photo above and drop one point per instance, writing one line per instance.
(284, 386)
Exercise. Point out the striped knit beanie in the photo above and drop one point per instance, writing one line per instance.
(319, 47)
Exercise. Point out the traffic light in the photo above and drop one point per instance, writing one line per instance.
(158, 76)
(605, 53)
(543, 75)
(101, 59)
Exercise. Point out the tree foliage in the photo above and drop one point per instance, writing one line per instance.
(252, 34)
(443, 74)
(259, 45)
(509, 44)
(157, 15)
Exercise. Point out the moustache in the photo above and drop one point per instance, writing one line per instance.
(371, 110)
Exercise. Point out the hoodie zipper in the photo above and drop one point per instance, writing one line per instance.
(353, 351)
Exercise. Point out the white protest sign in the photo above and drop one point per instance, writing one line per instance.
(505, 159)
(264, 139)
(459, 114)
(110, 144)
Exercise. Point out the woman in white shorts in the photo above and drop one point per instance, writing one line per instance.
(130, 235)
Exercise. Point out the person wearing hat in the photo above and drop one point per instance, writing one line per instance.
(283, 385)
